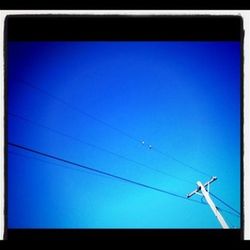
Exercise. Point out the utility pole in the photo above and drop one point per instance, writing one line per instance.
(203, 190)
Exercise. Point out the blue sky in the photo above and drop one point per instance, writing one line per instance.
(183, 98)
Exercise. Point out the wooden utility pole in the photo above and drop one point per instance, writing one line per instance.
(203, 190)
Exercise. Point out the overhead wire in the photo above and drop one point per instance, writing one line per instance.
(55, 164)
(102, 173)
(138, 140)
(223, 202)
(96, 170)
(73, 107)
(219, 208)
(181, 162)
(100, 148)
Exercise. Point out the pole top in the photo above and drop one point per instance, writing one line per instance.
(196, 191)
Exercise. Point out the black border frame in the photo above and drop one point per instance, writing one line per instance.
(123, 27)
(23, 30)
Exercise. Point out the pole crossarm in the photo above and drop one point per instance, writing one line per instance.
(198, 189)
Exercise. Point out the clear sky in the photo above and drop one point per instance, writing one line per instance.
(95, 103)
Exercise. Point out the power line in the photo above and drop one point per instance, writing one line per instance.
(97, 171)
(223, 210)
(99, 148)
(228, 212)
(111, 126)
(56, 164)
(219, 199)
(80, 110)
(103, 173)
(181, 162)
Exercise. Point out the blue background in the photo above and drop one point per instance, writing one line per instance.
(183, 98)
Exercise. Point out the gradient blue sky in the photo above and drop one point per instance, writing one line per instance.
(183, 98)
